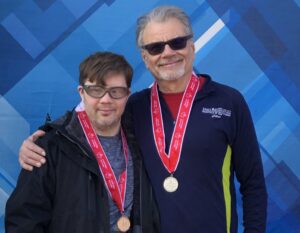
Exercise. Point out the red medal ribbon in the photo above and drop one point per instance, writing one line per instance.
(116, 189)
(171, 160)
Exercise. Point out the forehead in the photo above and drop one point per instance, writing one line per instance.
(163, 31)
(111, 79)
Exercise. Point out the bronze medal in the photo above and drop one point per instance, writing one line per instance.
(170, 184)
(116, 188)
(123, 223)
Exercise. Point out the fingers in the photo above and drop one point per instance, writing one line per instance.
(31, 155)
(36, 135)
(25, 166)
(31, 161)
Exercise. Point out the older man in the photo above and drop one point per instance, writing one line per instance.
(195, 136)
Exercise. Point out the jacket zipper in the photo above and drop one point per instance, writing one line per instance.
(74, 142)
(84, 152)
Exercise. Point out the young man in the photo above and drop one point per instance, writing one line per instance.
(93, 181)
(195, 136)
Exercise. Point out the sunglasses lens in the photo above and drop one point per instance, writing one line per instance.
(155, 48)
(178, 43)
(175, 44)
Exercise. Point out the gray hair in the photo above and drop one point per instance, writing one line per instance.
(161, 14)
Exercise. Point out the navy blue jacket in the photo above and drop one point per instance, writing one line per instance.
(219, 143)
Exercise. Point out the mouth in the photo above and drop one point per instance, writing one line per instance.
(105, 111)
(170, 63)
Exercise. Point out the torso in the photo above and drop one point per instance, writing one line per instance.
(200, 194)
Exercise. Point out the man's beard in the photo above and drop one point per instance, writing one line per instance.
(171, 75)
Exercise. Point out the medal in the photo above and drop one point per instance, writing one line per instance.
(123, 223)
(171, 160)
(116, 188)
(170, 184)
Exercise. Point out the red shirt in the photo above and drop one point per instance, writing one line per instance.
(173, 99)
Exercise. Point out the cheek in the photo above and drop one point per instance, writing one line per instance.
(90, 106)
(191, 55)
(89, 110)
(189, 59)
(146, 60)
(151, 61)
(121, 107)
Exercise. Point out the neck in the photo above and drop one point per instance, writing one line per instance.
(174, 86)
(108, 131)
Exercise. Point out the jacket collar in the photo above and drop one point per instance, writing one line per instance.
(207, 89)
(69, 127)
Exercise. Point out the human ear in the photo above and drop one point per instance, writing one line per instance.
(145, 58)
(80, 91)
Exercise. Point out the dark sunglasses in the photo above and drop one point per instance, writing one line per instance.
(175, 44)
(99, 91)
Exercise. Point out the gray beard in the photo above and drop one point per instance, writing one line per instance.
(173, 75)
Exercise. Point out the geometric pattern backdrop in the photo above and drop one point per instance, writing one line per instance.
(251, 45)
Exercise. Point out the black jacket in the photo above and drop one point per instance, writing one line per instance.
(68, 194)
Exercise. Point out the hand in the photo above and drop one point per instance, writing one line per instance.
(31, 155)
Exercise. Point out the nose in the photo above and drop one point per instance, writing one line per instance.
(168, 51)
(105, 98)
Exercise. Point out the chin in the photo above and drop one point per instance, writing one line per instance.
(107, 124)
(171, 76)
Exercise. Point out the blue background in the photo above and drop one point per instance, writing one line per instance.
(254, 46)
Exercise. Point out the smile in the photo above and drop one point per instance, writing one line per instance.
(106, 111)
(170, 63)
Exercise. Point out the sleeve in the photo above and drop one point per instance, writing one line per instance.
(28, 209)
(249, 171)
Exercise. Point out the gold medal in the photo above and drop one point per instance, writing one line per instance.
(170, 184)
(123, 223)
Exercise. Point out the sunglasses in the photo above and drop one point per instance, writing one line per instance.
(99, 91)
(175, 44)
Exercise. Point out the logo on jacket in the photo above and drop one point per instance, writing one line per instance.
(217, 112)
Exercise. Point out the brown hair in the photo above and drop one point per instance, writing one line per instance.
(98, 66)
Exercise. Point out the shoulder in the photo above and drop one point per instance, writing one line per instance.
(222, 92)
(223, 89)
(137, 102)
(50, 141)
(53, 138)
(139, 96)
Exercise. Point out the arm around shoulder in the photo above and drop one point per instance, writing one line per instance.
(30, 154)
